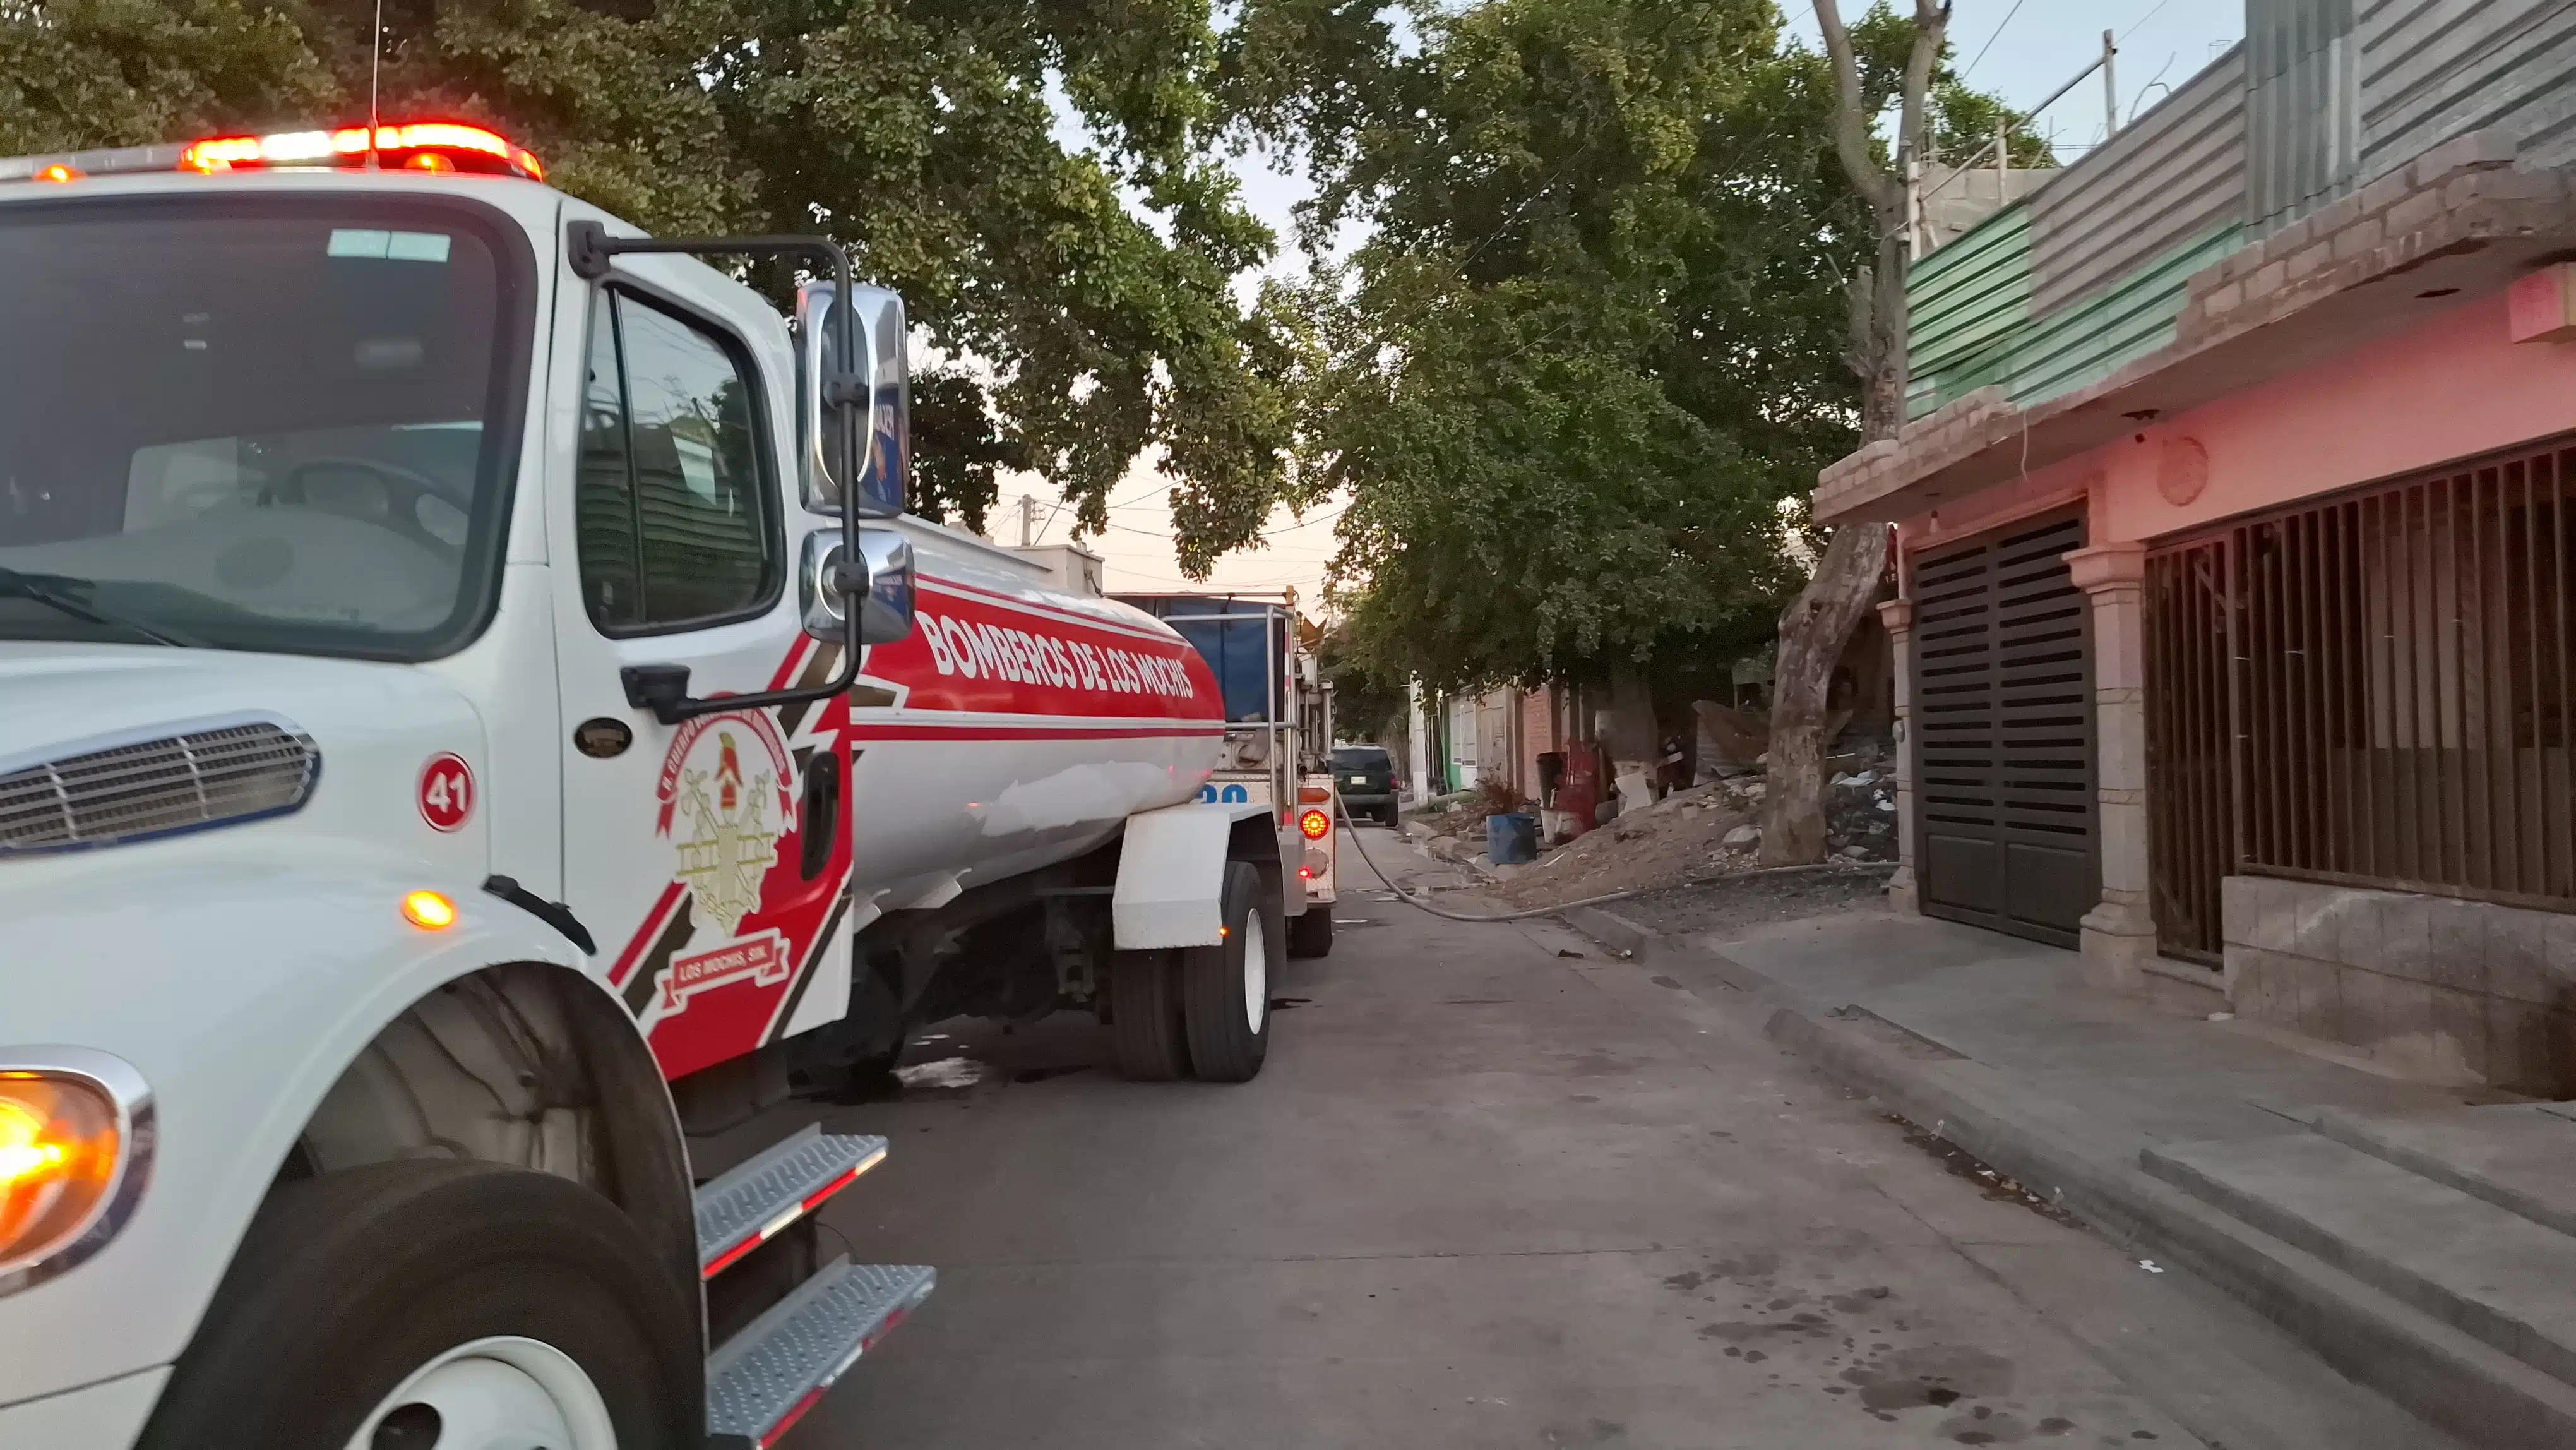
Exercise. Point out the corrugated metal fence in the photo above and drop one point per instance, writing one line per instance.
(2176, 174)
(2434, 69)
(2302, 112)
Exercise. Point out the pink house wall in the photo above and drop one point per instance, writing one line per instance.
(2452, 386)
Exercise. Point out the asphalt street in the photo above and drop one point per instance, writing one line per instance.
(1497, 1188)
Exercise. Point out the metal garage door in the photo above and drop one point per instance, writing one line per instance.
(2006, 821)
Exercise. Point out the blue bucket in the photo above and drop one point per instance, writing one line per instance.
(1511, 840)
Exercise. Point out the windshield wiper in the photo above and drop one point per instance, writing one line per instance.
(55, 590)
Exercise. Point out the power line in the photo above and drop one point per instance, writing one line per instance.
(1990, 40)
(2143, 19)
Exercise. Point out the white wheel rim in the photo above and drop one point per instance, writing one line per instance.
(501, 1393)
(1256, 972)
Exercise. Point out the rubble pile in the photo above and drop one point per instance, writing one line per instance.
(1672, 841)
(1705, 831)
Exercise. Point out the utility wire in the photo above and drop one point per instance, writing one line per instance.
(2143, 19)
(1990, 41)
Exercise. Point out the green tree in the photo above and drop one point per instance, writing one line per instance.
(919, 132)
(1595, 341)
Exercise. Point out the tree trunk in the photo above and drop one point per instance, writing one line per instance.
(1812, 636)
(1815, 628)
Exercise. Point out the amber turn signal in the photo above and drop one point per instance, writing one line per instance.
(429, 910)
(59, 1151)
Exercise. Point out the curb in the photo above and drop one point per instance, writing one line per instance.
(2438, 1372)
(1617, 933)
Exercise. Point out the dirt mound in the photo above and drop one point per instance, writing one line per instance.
(1706, 831)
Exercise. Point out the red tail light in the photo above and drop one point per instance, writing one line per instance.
(1314, 824)
(416, 145)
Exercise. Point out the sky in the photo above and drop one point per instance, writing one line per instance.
(2019, 49)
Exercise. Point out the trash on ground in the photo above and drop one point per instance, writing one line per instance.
(946, 1072)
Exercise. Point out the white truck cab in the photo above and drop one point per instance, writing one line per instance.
(460, 746)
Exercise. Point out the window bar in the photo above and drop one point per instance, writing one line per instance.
(2362, 767)
(2559, 642)
(2320, 735)
(2337, 673)
(2258, 776)
(2495, 647)
(2285, 661)
(2266, 648)
(2294, 686)
(2232, 552)
(2534, 843)
(2402, 735)
(2456, 774)
(2217, 809)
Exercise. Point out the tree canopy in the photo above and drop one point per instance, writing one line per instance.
(1582, 374)
(924, 134)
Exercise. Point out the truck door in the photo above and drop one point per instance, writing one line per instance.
(707, 859)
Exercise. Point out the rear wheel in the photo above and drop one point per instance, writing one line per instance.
(1225, 989)
(1145, 1030)
(424, 1304)
(1311, 935)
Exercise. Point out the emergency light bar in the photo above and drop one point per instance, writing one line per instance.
(433, 146)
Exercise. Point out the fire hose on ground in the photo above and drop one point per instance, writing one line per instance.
(1407, 897)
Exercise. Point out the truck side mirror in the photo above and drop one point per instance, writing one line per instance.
(883, 584)
(854, 414)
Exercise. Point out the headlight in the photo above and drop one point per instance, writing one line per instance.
(74, 1140)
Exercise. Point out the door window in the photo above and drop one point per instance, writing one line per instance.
(672, 505)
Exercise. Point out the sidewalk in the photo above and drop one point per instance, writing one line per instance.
(2416, 1236)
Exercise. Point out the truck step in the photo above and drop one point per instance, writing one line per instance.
(764, 1379)
(739, 1211)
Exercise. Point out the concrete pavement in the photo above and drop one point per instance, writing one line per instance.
(1490, 1194)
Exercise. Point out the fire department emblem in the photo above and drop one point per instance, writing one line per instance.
(723, 774)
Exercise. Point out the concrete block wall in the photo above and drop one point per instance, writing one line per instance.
(2455, 989)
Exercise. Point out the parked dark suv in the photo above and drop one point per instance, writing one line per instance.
(1365, 777)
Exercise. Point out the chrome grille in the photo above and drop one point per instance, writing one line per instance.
(195, 776)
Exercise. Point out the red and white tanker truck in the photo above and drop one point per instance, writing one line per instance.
(474, 721)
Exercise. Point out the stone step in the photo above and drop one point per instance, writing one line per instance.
(2485, 1270)
(2518, 1156)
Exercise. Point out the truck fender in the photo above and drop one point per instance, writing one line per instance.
(240, 990)
(1171, 872)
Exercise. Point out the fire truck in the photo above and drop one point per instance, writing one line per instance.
(1278, 732)
(479, 729)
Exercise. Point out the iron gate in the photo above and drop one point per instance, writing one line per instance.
(2007, 824)
(2375, 688)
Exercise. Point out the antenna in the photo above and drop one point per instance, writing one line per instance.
(375, 81)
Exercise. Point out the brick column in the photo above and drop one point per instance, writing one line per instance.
(1898, 616)
(2120, 931)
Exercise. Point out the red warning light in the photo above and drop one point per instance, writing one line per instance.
(440, 146)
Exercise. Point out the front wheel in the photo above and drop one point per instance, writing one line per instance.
(1225, 989)
(430, 1305)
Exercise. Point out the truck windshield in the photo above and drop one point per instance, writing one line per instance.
(268, 423)
(1243, 641)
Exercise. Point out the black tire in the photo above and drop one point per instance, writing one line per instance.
(348, 1283)
(1391, 818)
(1311, 935)
(1145, 1031)
(1229, 1014)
